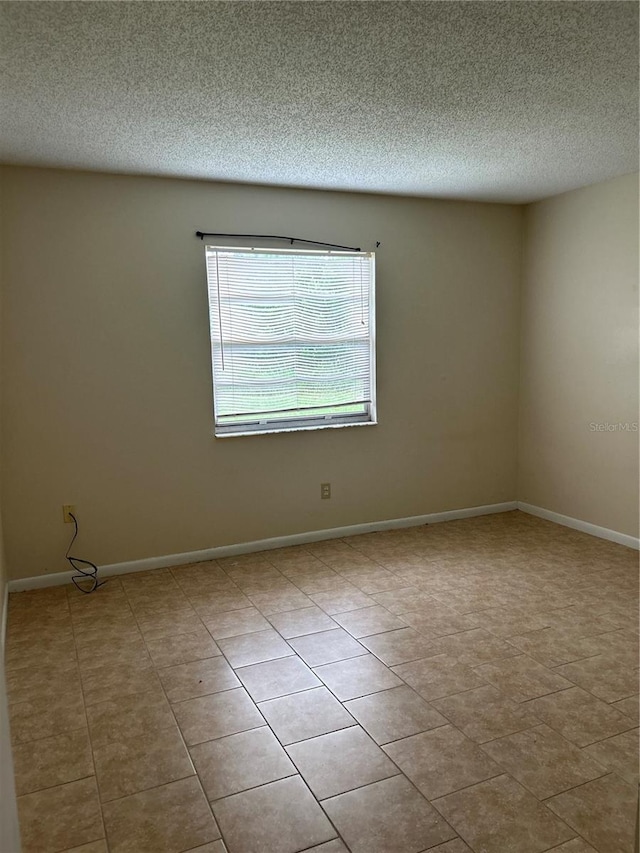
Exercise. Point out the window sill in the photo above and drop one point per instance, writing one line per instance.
(297, 428)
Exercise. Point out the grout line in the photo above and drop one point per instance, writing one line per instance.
(86, 717)
(56, 785)
(387, 743)
(186, 748)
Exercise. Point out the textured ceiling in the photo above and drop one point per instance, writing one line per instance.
(508, 101)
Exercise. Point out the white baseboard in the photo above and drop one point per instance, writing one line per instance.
(59, 578)
(5, 611)
(582, 526)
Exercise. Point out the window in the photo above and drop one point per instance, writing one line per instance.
(292, 339)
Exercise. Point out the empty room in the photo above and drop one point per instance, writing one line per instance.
(319, 427)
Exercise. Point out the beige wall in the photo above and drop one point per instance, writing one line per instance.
(9, 829)
(579, 357)
(107, 373)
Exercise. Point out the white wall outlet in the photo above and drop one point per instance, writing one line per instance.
(325, 491)
(67, 510)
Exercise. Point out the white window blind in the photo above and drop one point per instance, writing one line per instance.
(292, 338)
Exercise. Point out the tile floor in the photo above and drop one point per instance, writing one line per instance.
(467, 686)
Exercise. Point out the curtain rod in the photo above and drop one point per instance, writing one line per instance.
(203, 234)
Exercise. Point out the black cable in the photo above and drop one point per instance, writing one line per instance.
(83, 574)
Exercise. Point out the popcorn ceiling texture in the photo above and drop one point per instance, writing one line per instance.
(506, 101)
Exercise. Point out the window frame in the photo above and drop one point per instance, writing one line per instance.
(254, 425)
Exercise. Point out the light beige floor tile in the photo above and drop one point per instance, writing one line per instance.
(328, 547)
(327, 647)
(204, 592)
(171, 819)
(126, 717)
(576, 845)
(40, 718)
(295, 623)
(351, 563)
(216, 715)
(340, 761)
(86, 618)
(236, 622)
(182, 648)
(39, 653)
(630, 707)
(554, 646)
(40, 683)
(455, 846)
(281, 817)
(55, 596)
(543, 761)
(369, 620)
(279, 600)
(52, 761)
(28, 633)
(349, 679)
(110, 681)
(603, 676)
(167, 602)
(469, 601)
(241, 761)
(185, 621)
(474, 647)
(377, 581)
(342, 600)
(197, 678)
(102, 603)
(277, 678)
(255, 583)
(438, 676)
(399, 646)
(207, 604)
(61, 817)
(91, 847)
(618, 754)
(43, 611)
(441, 761)
(304, 715)
(204, 575)
(325, 581)
(522, 678)
(335, 846)
(500, 815)
(401, 600)
(387, 817)
(254, 648)
(621, 645)
(93, 633)
(602, 811)
(505, 622)
(485, 713)
(579, 716)
(145, 761)
(393, 714)
(439, 620)
(580, 623)
(125, 650)
(212, 847)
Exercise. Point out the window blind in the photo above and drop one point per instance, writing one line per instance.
(292, 338)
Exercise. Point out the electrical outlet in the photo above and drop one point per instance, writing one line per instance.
(67, 509)
(325, 491)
